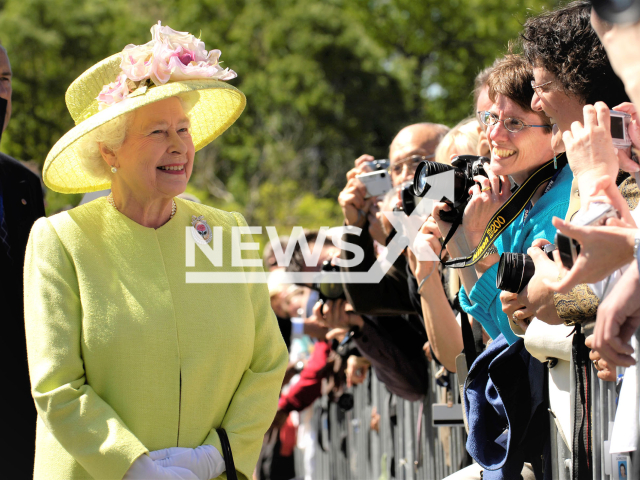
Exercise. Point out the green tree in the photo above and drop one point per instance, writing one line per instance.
(325, 80)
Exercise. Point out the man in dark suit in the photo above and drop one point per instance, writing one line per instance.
(21, 204)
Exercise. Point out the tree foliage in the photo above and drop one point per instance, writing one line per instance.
(325, 80)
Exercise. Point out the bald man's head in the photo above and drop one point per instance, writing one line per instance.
(420, 139)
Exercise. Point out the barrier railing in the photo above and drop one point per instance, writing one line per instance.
(348, 449)
(603, 414)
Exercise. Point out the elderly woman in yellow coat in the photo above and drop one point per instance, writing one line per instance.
(135, 365)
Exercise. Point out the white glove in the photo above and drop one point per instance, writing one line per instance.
(144, 468)
(205, 461)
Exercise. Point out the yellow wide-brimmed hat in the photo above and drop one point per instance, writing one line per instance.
(172, 64)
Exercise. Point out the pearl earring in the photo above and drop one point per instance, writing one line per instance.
(114, 169)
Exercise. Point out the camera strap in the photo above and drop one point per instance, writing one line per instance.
(510, 211)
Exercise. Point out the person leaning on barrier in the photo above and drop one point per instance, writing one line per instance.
(412, 145)
(443, 331)
(521, 144)
(564, 83)
(517, 151)
(134, 372)
(393, 346)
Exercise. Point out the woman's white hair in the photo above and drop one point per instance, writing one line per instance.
(112, 135)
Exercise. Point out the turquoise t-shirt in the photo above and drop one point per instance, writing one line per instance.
(483, 302)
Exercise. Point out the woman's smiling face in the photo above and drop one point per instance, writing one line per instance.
(517, 153)
(156, 158)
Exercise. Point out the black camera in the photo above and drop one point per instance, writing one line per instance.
(328, 290)
(617, 11)
(465, 167)
(596, 215)
(409, 200)
(515, 270)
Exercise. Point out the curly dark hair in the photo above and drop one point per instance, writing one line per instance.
(564, 43)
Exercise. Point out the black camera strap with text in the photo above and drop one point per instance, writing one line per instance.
(510, 211)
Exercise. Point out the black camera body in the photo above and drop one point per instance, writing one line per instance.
(596, 215)
(408, 199)
(328, 290)
(515, 270)
(465, 167)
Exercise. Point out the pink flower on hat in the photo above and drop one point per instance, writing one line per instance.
(169, 56)
(137, 61)
(114, 92)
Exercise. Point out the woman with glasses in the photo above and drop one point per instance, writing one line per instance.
(520, 144)
(505, 384)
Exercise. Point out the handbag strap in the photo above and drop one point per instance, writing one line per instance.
(226, 453)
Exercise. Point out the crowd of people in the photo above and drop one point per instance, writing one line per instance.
(529, 277)
(517, 269)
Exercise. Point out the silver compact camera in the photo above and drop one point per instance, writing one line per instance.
(620, 129)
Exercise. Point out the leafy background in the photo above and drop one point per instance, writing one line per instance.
(325, 80)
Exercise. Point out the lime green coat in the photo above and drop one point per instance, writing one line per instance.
(126, 357)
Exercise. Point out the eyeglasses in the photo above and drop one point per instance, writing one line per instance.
(512, 124)
(538, 88)
(411, 162)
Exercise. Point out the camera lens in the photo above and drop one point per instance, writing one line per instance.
(420, 180)
(331, 290)
(424, 171)
(346, 402)
(514, 271)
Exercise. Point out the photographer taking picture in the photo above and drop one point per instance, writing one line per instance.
(520, 145)
(412, 145)
(520, 142)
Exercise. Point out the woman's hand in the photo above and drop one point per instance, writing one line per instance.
(537, 297)
(204, 461)
(443, 227)
(590, 149)
(487, 196)
(605, 372)
(426, 242)
(515, 311)
(144, 468)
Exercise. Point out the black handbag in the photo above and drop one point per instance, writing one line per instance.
(226, 453)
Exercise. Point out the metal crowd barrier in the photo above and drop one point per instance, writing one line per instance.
(603, 411)
(347, 448)
(603, 415)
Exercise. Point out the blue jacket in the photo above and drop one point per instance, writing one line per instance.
(483, 303)
(506, 409)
